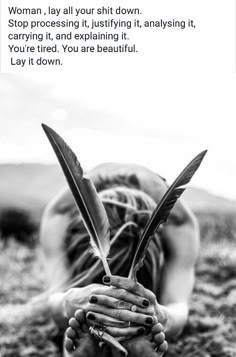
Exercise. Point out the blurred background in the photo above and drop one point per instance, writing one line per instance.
(161, 125)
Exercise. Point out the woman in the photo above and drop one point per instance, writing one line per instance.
(120, 307)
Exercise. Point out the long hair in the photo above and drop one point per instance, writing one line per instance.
(128, 210)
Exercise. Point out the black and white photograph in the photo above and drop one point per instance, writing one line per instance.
(117, 178)
(99, 253)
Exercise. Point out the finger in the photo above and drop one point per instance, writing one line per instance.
(159, 338)
(126, 331)
(124, 283)
(129, 285)
(100, 319)
(123, 294)
(115, 303)
(122, 315)
(104, 304)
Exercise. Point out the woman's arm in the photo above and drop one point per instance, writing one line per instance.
(180, 239)
(63, 304)
(19, 314)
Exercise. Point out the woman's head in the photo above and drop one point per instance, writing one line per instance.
(128, 211)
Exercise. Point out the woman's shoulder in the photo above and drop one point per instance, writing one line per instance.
(108, 175)
(62, 203)
(139, 177)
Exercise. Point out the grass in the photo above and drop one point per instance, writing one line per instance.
(212, 323)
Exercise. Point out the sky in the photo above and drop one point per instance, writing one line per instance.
(159, 107)
(160, 124)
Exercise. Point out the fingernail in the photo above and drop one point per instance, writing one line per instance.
(149, 320)
(145, 302)
(93, 300)
(91, 316)
(141, 331)
(106, 279)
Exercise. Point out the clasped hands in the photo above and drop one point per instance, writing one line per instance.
(124, 308)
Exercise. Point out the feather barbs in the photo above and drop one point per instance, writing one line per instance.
(86, 197)
(162, 211)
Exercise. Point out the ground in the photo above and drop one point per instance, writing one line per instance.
(212, 323)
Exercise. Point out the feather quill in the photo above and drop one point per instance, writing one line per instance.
(162, 211)
(84, 192)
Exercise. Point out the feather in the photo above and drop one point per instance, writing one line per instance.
(162, 211)
(84, 192)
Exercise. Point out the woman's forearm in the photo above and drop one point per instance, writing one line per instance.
(17, 314)
(45, 305)
(56, 303)
(176, 316)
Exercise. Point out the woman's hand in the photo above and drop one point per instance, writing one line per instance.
(124, 310)
(124, 307)
(104, 306)
(78, 298)
(109, 306)
(133, 291)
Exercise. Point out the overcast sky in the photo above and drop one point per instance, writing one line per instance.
(162, 125)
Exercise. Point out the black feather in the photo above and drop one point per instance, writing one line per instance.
(86, 197)
(162, 211)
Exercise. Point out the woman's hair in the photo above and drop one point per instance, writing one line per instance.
(128, 210)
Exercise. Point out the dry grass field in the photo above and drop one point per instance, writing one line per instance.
(212, 323)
